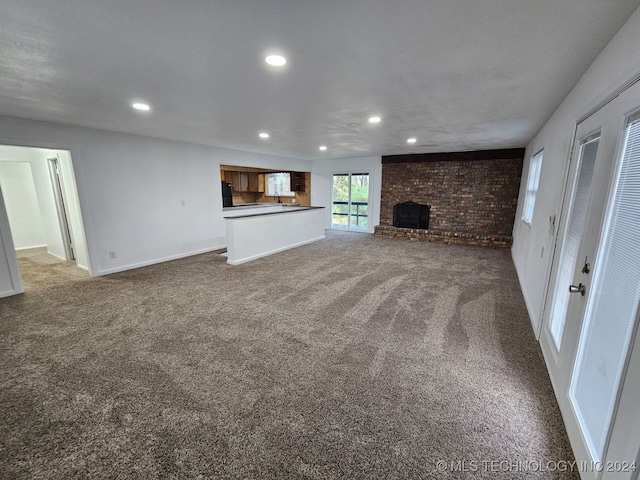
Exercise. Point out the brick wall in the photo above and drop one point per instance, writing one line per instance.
(468, 196)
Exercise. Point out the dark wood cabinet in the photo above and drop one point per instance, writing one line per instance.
(298, 183)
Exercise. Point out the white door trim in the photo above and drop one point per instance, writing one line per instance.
(9, 253)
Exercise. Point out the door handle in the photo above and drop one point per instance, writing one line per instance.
(581, 289)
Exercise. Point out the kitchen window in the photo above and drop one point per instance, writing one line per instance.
(279, 185)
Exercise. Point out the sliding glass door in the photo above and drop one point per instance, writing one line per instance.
(350, 201)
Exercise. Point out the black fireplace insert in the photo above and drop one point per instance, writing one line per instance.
(411, 215)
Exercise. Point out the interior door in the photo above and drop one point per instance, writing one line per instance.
(587, 334)
(61, 208)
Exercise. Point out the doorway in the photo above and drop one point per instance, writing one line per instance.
(41, 218)
(589, 328)
(350, 201)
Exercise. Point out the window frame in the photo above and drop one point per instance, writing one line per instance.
(531, 189)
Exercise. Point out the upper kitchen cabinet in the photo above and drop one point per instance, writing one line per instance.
(298, 183)
(254, 183)
(235, 181)
(244, 181)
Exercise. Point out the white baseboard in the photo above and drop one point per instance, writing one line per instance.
(30, 248)
(9, 293)
(57, 256)
(157, 260)
(271, 252)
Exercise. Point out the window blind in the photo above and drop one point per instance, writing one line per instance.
(573, 238)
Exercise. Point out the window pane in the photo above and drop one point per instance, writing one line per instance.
(359, 200)
(573, 238)
(340, 207)
(341, 188)
(359, 214)
(360, 187)
(535, 165)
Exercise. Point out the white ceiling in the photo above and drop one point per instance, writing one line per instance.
(456, 74)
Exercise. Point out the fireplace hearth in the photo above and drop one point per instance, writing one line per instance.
(411, 215)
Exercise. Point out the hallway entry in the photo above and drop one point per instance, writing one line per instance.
(39, 210)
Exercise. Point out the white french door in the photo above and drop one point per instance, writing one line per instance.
(584, 166)
(591, 317)
(350, 201)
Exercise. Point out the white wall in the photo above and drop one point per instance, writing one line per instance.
(615, 65)
(146, 199)
(47, 202)
(21, 201)
(321, 178)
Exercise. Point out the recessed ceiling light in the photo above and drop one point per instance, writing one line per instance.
(263, 135)
(374, 119)
(143, 107)
(411, 140)
(322, 148)
(276, 60)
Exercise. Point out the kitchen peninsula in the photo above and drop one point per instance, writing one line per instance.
(258, 230)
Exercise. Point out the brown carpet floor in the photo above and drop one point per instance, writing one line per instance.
(353, 357)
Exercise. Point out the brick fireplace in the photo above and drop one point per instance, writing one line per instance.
(472, 195)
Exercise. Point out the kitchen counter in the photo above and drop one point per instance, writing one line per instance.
(257, 232)
(243, 206)
(264, 209)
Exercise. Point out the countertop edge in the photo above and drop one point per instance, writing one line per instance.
(293, 210)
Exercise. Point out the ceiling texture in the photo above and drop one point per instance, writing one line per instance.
(455, 74)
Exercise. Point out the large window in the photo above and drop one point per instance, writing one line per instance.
(535, 166)
(279, 185)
